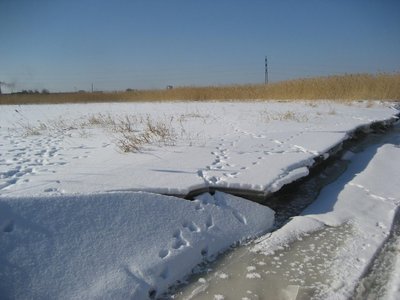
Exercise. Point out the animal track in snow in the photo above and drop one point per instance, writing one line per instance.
(241, 218)
(198, 205)
(368, 192)
(164, 273)
(221, 169)
(54, 190)
(231, 175)
(8, 226)
(191, 226)
(204, 251)
(27, 156)
(163, 253)
(209, 222)
(214, 179)
(179, 241)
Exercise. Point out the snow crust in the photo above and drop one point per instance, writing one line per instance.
(115, 245)
(393, 286)
(366, 197)
(259, 146)
(78, 219)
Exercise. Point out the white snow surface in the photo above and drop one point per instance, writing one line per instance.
(367, 197)
(115, 245)
(79, 220)
(54, 149)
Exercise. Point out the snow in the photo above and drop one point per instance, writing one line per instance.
(365, 197)
(81, 219)
(115, 245)
(393, 290)
(258, 146)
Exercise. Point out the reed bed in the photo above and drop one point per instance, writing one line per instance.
(341, 87)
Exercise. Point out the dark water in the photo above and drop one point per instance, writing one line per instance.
(301, 270)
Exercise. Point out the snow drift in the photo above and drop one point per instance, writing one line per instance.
(116, 245)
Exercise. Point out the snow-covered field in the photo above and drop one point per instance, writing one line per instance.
(80, 218)
(57, 149)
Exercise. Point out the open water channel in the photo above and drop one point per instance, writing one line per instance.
(302, 270)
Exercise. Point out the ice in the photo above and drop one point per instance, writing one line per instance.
(366, 197)
(326, 251)
(299, 271)
(80, 219)
(382, 278)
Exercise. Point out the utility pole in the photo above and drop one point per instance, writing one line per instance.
(92, 88)
(266, 70)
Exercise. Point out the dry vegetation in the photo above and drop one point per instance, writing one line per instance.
(268, 116)
(130, 133)
(343, 87)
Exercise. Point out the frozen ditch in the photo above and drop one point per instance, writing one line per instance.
(305, 265)
(257, 146)
(382, 280)
(328, 162)
(298, 272)
(80, 219)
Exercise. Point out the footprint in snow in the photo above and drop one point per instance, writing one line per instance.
(179, 241)
(231, 175)
(8, 226)
(191, 226)
(198, 205)
(164, 273)
(209, 222)
(50, 190)
(163, 253)
(241, 218)
(212, 179)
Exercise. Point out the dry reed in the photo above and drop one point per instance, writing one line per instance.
(340, 87)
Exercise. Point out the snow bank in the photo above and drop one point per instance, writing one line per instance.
(258, 146)
(393, 285)
(365, 196)
(115, 245)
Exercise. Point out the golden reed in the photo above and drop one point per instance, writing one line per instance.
(341, 87)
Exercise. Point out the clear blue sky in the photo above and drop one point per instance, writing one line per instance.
(67, 45)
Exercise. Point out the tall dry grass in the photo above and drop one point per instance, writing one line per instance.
(340, 87)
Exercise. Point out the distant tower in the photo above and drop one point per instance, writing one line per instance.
(266, 71)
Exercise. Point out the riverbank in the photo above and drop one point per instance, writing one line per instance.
(341, 246)
(74, 176)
